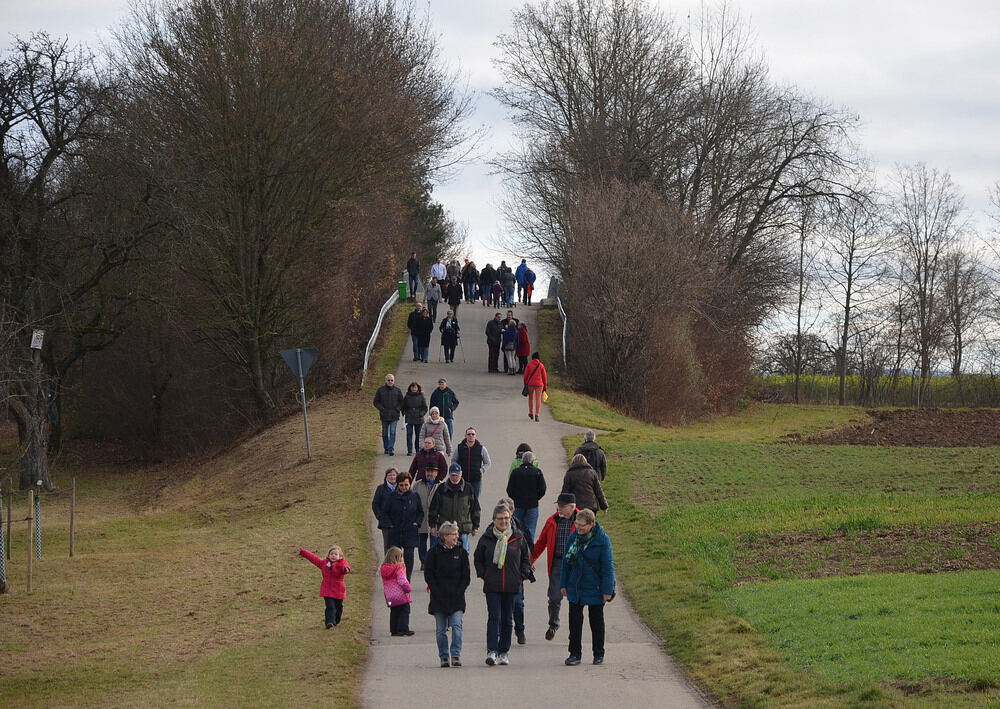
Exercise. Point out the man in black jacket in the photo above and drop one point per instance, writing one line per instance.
(594, 454)
(389, 402)
(494, 336)
(412, 324)
(413, 274)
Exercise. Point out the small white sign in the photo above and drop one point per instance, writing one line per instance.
(36, 339)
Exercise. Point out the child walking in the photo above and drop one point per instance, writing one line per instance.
(397, 592)
(333, 589)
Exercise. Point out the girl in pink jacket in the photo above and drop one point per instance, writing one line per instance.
(333, 589)
(397, 592)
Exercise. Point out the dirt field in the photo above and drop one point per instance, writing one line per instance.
(895, 550)
(917, 427)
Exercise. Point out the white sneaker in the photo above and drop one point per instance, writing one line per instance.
(491, 658)
(502, 659)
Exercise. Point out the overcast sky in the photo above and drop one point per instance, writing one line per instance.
(923, 75)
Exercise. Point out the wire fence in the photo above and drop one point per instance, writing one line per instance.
(33, 517)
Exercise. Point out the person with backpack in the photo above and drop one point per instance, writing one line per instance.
(519, 276)
(594, 454)
(529, 285)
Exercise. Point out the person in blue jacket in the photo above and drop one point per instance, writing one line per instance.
(529, 285)
(519, 275)
(587, 579)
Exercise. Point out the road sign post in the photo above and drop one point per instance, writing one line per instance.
(299, 361)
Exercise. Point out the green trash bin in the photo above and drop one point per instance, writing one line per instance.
(402, 290)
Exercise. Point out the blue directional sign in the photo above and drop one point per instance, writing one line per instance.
(299, 360)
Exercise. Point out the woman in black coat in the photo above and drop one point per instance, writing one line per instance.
(447, 573)
(449, 335)
(455, 294)
(503, 561)
(425, 327)
(402, 514)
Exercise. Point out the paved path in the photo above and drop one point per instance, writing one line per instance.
(404, 672)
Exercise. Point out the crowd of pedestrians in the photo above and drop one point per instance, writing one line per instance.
(455, 283)
(431, 512)
(439, 518)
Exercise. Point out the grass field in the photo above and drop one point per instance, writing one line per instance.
(752, 556)
(186, 588)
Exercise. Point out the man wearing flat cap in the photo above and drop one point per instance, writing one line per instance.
(553, 536)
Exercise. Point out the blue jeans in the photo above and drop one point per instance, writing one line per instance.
(466, 540)
(424, 353)
(451, 428)
(527, 517)
(416, 349)
(413, 285)
(508, 293)
(500, 621)
(442, 622)
(388, 435)
(413, 439)
(477, 487)
(424, 537)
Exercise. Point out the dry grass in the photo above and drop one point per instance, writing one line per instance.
(187, 588)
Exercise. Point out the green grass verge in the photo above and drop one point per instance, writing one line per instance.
(686, 502)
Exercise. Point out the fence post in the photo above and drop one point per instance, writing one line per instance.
(38, 523)
(3, 556)
(10, 501)
(31, 506)
(72, 516)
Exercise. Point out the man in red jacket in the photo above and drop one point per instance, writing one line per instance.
(553, 538)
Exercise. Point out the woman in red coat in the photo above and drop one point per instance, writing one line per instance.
(523, 347)
(537, 381)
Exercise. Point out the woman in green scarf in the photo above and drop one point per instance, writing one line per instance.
(503, 561)
(587, 579)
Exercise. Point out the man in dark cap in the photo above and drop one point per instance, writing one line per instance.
(553, 538)
(455, 502)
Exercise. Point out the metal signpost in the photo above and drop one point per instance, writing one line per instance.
(299, 361)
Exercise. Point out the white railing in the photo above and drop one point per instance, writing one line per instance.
(565, 320)
(378, 326)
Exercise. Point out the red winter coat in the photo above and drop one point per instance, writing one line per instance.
(333, 574)
(534, 374)
(394, 585)
(547, 540)
(523, 346)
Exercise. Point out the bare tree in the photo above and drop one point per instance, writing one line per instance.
(58, 263)
(928, 220)
(853, 265)
(609, 89)
(966, 295)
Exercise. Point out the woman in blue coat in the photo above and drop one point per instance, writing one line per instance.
(587, 579)
(402, 514)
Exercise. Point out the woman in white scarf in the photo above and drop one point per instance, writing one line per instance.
(503, 561)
